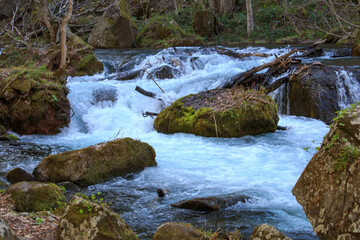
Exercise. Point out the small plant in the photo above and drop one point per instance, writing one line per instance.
(348, 154)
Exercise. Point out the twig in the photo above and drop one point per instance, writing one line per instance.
(216, 130)
(154, 81)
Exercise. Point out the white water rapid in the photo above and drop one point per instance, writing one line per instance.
(264, 167)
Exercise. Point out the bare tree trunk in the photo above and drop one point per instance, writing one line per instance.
(215, 5)
(250, 18)
(227, 6)
(64, 24)
(46, 19)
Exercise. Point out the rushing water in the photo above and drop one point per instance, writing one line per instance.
(264, 167)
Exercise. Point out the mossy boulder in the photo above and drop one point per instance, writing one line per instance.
(220, 113)
(84, 219)
(267, 232)
(177, 231)
(33, 101)
(6, 233)
(115, 29)
(97, 163)
(328, 189)
(18, 175)
(36, 196)
(160, 31)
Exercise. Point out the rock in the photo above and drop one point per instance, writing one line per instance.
(220, 112)
(123, 76)
(69, 187)
(97, 163)
(3, 185)
(165, 72)
(210, 203)
(33, 101)
(328, 189)
(317, 91)
(84, 219)
(8, 7)
(267, 232)
(177, 231)
(104, 94)
(35, 196)
(6, 233)
(18, 175)
(115, 29)
(205, 23)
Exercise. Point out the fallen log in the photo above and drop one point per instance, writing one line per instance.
(147, 114)
(230, 53)
(242, 77)
(275, 85)
(144, 92)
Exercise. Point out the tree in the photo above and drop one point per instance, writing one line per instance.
(64, 29)
(250, 18)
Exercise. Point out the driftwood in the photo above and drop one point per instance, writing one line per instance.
(281, 128)
(275, 85)
(147, 114)
(145, 93)
(279, 62)
(227, 52)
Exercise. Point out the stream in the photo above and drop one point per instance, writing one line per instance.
(264, 167)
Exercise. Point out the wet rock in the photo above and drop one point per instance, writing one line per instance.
(267, 232)
(97, 163)
(84, 219)
(18, 175)
(177, 231)
(210, 203)
(105, 94)
(316, 91)
(165, 72)
(6, 233)
(220, 112)
(123, 76)
(35, 196)
(33, 101)
(328, 189)
(115, 29)
(69, 187)
(205, 23)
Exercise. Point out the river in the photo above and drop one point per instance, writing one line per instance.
(264, 167)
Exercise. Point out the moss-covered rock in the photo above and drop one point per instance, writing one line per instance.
(177, 231)
(220, 112)
(96, 163)
(267, 232)
(18, 175)
(33, 101)
(115, 29)
(328, 189)
(35, 196)
(84, 219)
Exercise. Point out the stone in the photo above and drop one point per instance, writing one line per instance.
(165, 72)
(210, 203)
(104, 94)
(328, 189)
(177, 231)
(18, 175)
(220, 113)
(97, 163)
(115, 28)
(84, 219)
(267, 232)
(36, 196)
(6, 233)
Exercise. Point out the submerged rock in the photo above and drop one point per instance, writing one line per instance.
(267, 232)
(6, 233)
(165, 72)
(97, 163)
(107, 94)
(220, 113)
(115, 29)
(177, 231)
(18, 175)
(210, 203)
(33, 101)
(84, 219)
(328, 188)
(35, 196)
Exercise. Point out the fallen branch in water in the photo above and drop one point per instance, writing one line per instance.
(147, 114)
(230, 53)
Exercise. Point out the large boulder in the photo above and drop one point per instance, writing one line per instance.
(220, 113)
(35, 196)
(115, 29)
(97, 163)
(205, 23)
(84, 219)
(6, 233)
(211, 203)
(267, 232)
(318, 91)
(328, 189)
(177, 231)
(18, 175)
(33, 101)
